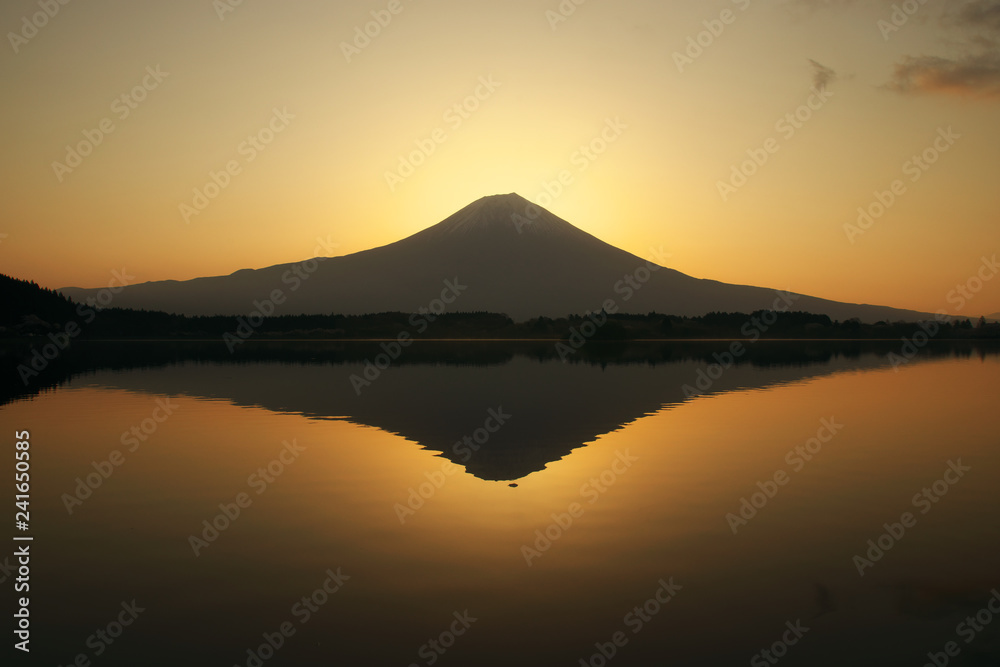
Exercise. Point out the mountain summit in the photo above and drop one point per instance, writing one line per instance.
(509, 256)
(502, 214)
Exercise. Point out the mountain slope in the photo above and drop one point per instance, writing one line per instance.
(508, 264)
(24, 299)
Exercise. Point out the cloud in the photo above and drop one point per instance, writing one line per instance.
(980, 14)
(973, 70)
(971, 35)
(978, 21)
(822, 75)
(976, 75)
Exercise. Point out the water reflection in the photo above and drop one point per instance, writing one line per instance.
(661, 520)
(507, 418)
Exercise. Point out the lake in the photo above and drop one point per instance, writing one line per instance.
(812, 504)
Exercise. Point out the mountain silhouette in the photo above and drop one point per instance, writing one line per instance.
(440, 396)
(503, 253)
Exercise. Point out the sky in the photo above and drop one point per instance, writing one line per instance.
(846, 150)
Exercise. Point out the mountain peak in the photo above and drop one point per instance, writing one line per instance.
(501, 215)
(511, 197)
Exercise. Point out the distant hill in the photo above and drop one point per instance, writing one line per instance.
(31, 310)
(505, 255)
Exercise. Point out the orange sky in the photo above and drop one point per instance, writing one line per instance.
(162, 95)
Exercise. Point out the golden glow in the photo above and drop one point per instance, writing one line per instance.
(324, 176)
(663, 517)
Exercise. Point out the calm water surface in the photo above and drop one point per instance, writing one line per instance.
(625, 490)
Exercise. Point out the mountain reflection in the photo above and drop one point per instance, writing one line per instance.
(503, 411)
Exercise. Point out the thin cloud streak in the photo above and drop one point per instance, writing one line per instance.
(973, 75)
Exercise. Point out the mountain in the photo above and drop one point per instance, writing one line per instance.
(496, 258)
(436, 399)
